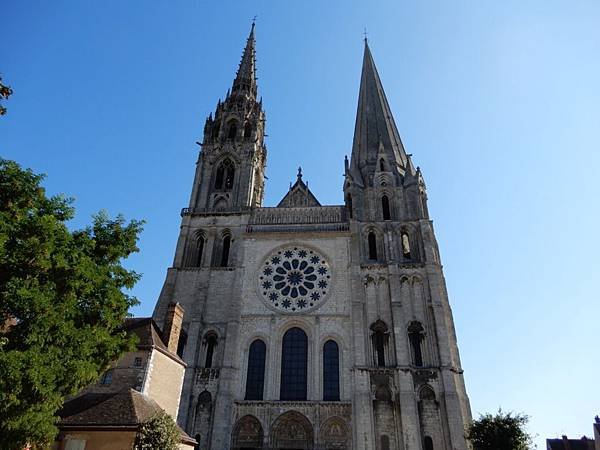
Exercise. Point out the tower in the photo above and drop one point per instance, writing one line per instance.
(308, 325)
(230, 170)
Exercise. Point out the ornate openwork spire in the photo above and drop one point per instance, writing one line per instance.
(245, 78)
(375, 127)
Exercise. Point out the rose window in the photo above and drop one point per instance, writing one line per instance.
(294, 279)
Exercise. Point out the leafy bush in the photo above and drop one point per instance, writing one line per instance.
(158, 433)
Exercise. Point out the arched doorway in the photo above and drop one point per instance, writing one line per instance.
(335, 434)
(292, 431)
(247, 434)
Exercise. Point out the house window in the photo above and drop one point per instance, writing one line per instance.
(107, 378)
(385, 207)
(331, 371)
(255, 379)
(137, 362)
(294, 362)
(74, 444)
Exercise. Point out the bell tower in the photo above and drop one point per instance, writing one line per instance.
(231, 165)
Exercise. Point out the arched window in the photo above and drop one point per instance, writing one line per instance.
(379, 339)
(427, 443)
(199, 250)
(225, 251)
(405, 245)
(248, 130)
(210, 342)
(232, 133)
(372, 246)
(382, 165)
(255, 379)
(385, 207)
(225, 175)
(415, 336)
(331, 371)
(294, 362)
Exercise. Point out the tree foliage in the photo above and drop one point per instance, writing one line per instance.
(5, 92)
(159, 432)
(500, 432)
(62, 301)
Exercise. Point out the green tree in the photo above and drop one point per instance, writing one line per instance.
(158, 432)
(62, 301)
(500, 432)
(5, 92)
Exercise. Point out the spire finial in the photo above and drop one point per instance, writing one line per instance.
(365, 35)
(299, 173)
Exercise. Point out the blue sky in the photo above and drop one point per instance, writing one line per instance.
(497, 101)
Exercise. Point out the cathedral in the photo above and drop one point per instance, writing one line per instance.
(309, 326)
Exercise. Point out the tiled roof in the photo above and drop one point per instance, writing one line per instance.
(146, 330)
(149, 334)
(127, 408)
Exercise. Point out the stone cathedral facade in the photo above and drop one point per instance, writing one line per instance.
(309, 326)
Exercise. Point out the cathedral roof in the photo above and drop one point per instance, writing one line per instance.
(299, 195)
(375, 129)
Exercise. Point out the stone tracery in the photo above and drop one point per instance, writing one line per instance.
(294, 279)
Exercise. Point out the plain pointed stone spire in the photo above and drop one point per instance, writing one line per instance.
(375, 126)
(245, 78)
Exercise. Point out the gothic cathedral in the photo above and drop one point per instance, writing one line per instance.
(308, 326)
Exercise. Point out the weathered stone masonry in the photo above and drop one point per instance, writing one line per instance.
(311, 326)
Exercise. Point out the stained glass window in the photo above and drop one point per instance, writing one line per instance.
(331, 371)
(294, 361)
(255, 379)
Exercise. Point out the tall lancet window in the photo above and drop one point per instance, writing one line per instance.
(331, 371)
(225, 175)
(294, 362)
(385, 207)
(428, 443)
(255, 379)
(211, 342)
(225, 251)
(415, 337)
(405, 245)
(232, 133)
(248, 130)
(372, 246)
(379, 339)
